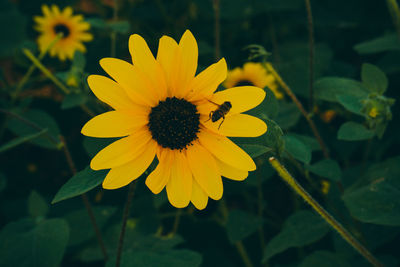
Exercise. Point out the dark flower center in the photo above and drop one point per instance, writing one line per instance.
(174, 123)
(62, 28)
(244, 83)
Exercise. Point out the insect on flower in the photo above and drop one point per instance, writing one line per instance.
(220, 112)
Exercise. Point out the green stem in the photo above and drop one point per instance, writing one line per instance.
(346, 235)
(394, 11)
(45, 71)
(177, 220)
(32, 68)
(113, 35)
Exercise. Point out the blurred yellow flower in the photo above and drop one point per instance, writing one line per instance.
(73, 28)
(162, 110)
(252, 74)
(325, 186)
(373, 112)
(328, 115)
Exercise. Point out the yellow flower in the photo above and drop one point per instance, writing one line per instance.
(162, 109)
(252, 74)
(373, 112)
(73, 28)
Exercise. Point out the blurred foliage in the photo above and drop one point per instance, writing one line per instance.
(259, 221)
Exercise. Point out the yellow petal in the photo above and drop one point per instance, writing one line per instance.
(159, 178)
(205, 83)
(129, 78)
(185, 66)
(121, 151)
(242, 98)
(46, 11)
(112, 93)
(231, 172)
(199, 197)
(179, 186)
(113, 124)
(67, 12)
(122, 175)
(56, 10)
(144, 60)
(226, 151)
(238, 125)
(166, 57)
(205, 170)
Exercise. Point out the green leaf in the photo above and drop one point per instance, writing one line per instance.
(309, 141)
(268, 108)
(297, 148)
(79, 61)
(175, 258)
(255, 150)
(373, 78)
(352, 131)
(389, 42)
(119, 26)
(74, 100)
(329, 88)
(23, 243)
(351, 103)
(241, 224)
(324, 258)
(378, 202)
(80, 183)
(288, 115)
(326, 168)
(273, 136)
(43, 120)
(300, 229)
(20, 140)
(94, 145)
(85, 230)
(37, 205)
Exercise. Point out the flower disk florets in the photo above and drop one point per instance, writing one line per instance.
(62, 28)
(174, 123)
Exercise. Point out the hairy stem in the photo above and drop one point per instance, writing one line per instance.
(343, 232)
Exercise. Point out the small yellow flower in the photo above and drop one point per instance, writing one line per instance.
(162, 110)
(73, 28)
(252, 74)
(325, 186)
(373, 112)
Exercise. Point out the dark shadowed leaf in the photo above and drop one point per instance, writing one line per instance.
(20, 140)
(300, 229)
(176, 258)
(352, 131)
(24, 243)
(326, 168)
(73, 100)
(41, 119)
(241, 224)
(80, 183)
(381, 44)
(297, 149)
(255, 150)
(351, 103)
(326, 259)
(329, 88)
(373, 78)
(37, 205)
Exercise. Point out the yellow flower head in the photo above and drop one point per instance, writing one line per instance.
(162, 109)
(73, 28)
(252, 74)
(373, 112)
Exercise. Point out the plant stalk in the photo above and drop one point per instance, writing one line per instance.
(343, 232)
(124, 221)
(311, 55)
